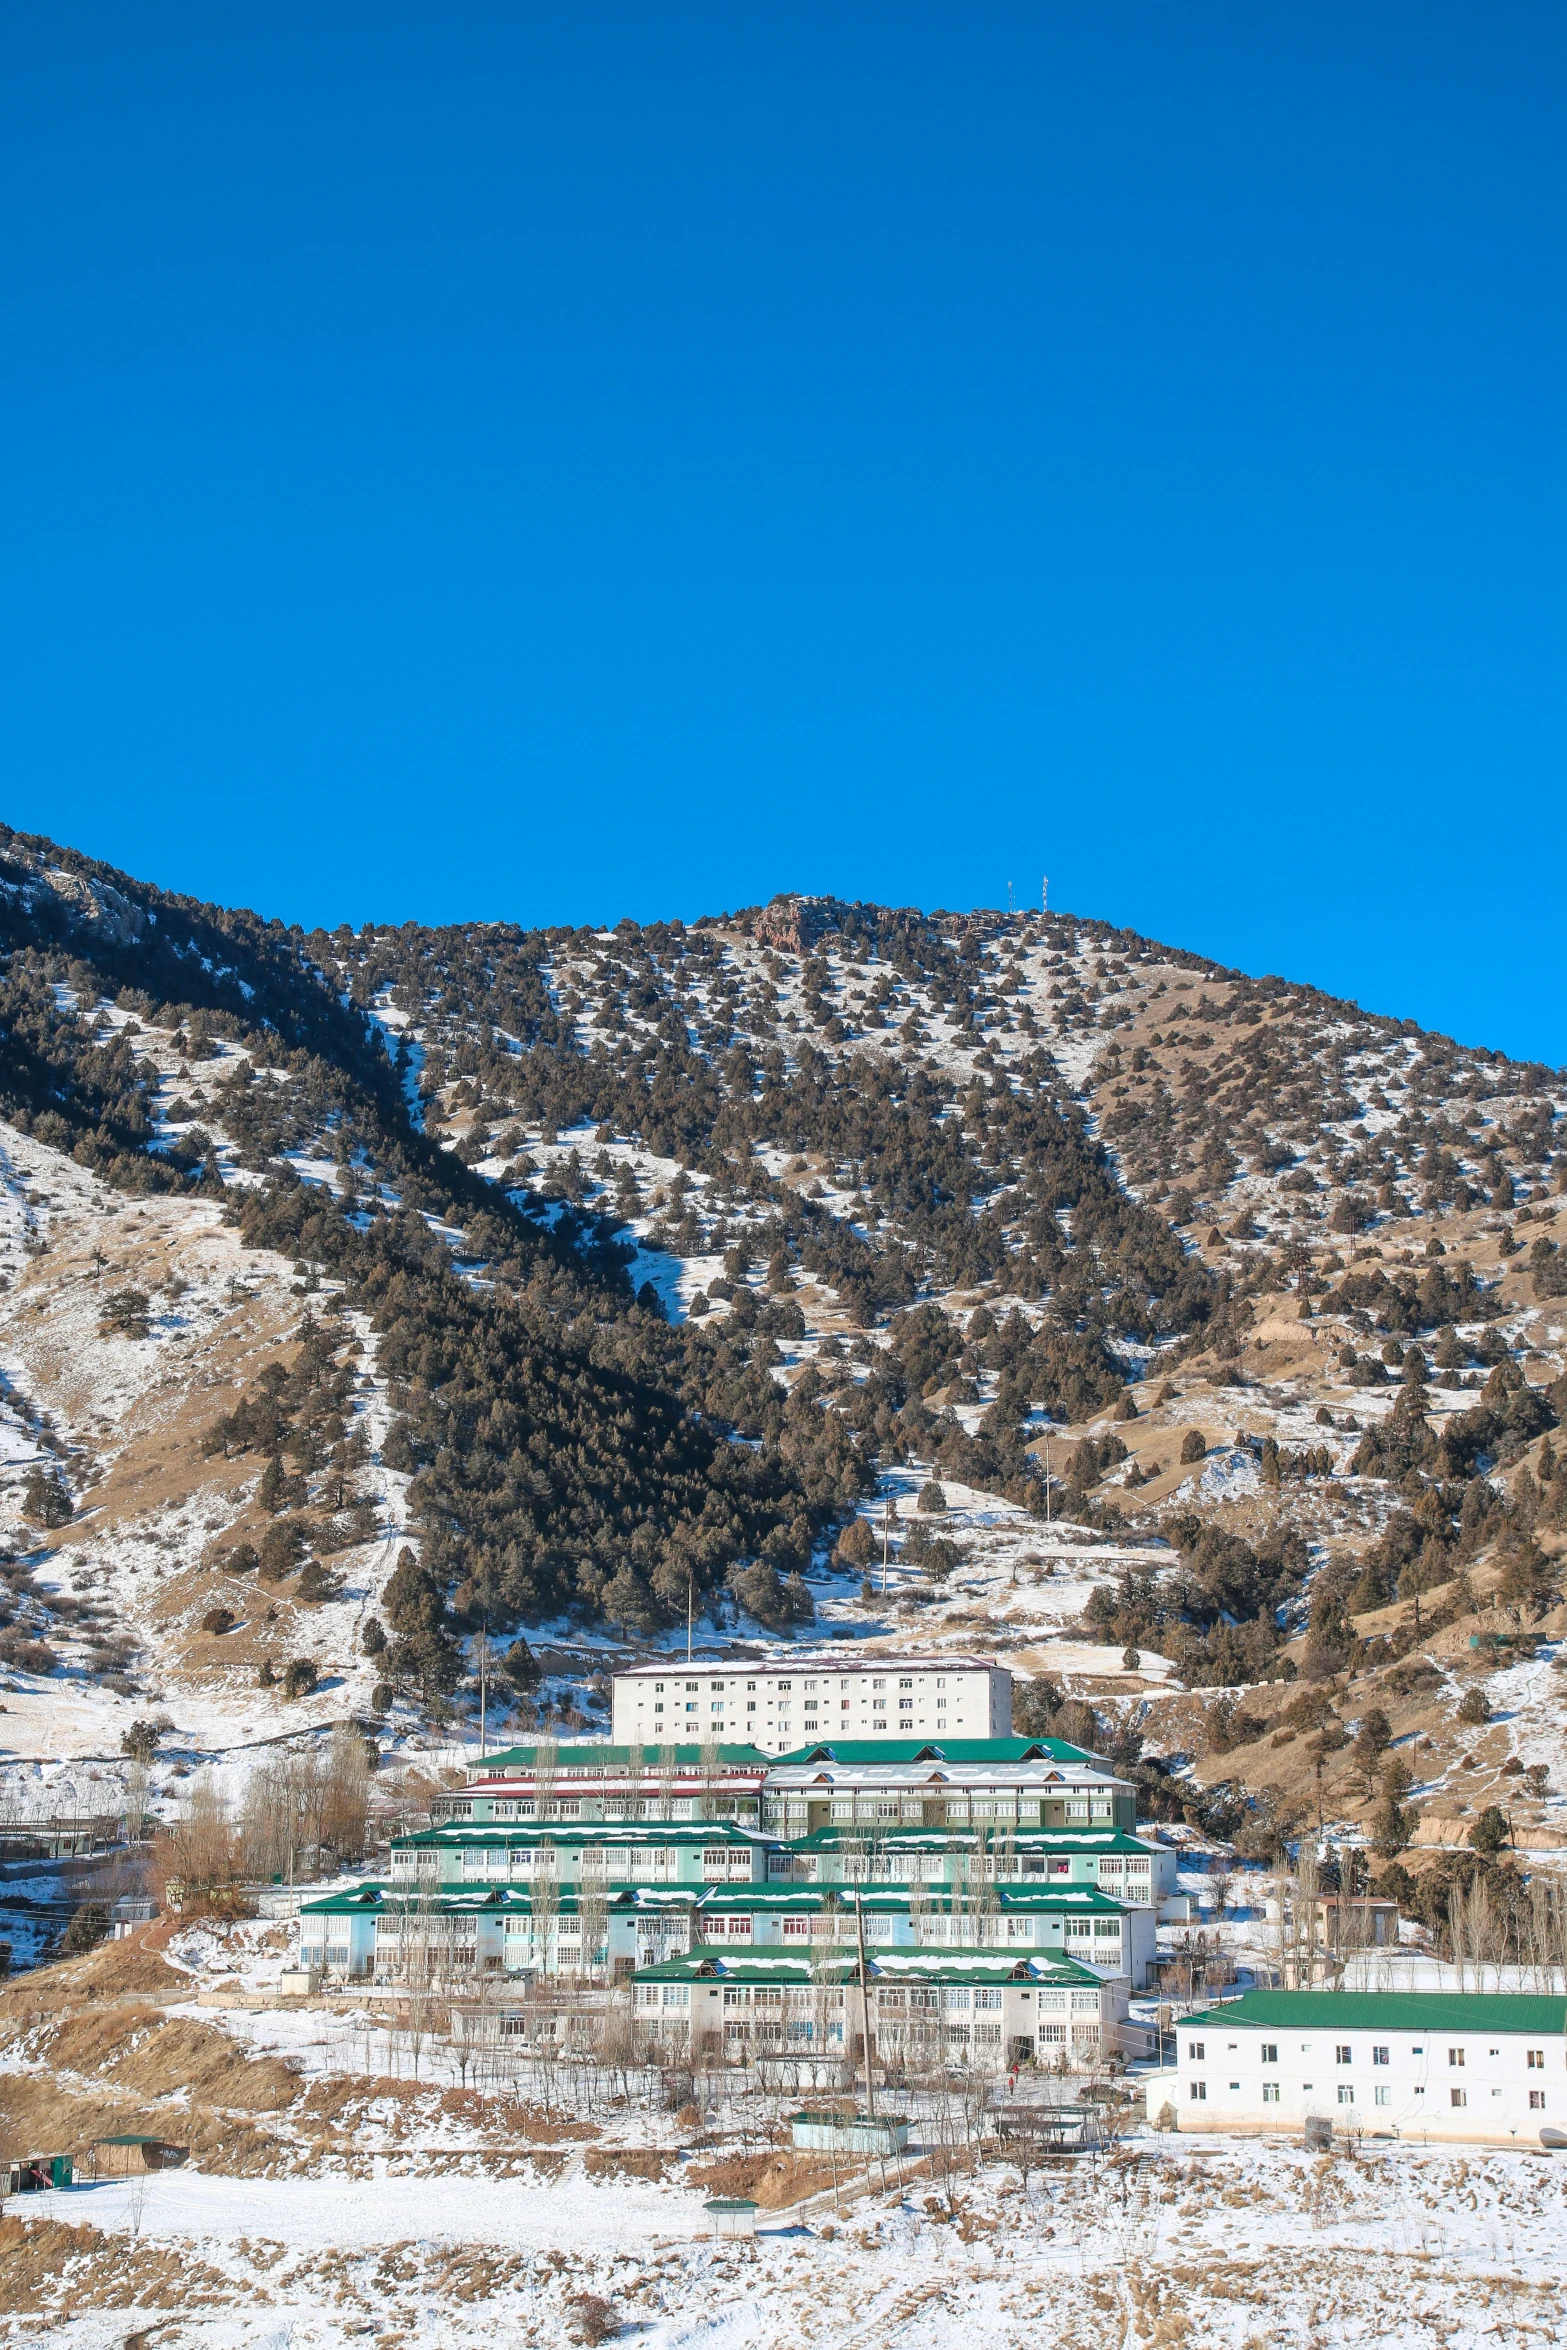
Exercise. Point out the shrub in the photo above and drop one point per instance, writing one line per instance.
(592, 2319)
(46, 1500)
(856, 1544)
(931, 1499)
(1475, 1707)
(280, 1548)
(373, 1639)
(299, 1677)
(124, 1314)
(1489, 1833)
(219, 1619)
(316, 1584)
(87, 1928)
(140, 1741)
(20, 1655)
(1194, 1446)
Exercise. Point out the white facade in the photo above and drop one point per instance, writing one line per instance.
(1490, 2069)
(778, 1707)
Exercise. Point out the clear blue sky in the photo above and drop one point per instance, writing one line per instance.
(559, 461)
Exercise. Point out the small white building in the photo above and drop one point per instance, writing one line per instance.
(1488, 2068)
(779, 1706)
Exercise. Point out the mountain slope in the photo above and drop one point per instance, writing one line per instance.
(1226, 1316)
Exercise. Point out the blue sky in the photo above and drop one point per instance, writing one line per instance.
(564, 461)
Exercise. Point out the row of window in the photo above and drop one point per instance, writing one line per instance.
(694, 1688)
(810, 1705)
(1197, 2092)
(1343, 2050)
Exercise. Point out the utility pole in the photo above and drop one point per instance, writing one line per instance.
(484, 1689)
(865, 2003)
(1047, 1473)
(690, 1607)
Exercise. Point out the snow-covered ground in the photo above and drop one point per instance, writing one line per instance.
(1170, 2243)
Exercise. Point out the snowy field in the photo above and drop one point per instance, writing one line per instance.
(1169, 2242)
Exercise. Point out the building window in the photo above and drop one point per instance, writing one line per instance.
(1195, 2050)
(1536, 2060)
(1458, 2096)
(1270, 2052)
(1270, 2092)
(1455, 2056)
(1383, 2095)
(1346, 2093)
(1379, 2055)
(1537, 2101)
(1198, 2092)
(1342, 2053)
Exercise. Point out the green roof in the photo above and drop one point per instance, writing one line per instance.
(706, 1963)
(955, 1750)
(597, 1755)
(939, 1900)
(598, 1832)
(1388, 2011)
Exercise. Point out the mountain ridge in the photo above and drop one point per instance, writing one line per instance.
(658, 1262)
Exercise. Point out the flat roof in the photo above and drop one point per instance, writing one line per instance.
(918, 1750)
(589, 1757)
(834, 1661)
(1388, 2011)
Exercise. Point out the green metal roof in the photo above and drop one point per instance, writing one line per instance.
(707, 1964)
(913, 1750)
(1388, 2011)
(596, 1756)
(939, 1901)
(599, 1832)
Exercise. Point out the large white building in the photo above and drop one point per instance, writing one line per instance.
(1460, 2066)
(783, 1705)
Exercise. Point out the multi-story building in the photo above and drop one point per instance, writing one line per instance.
(594, 1933)
(589, 1780)
(780, 1705)
(1463, 2066)
(943, 1783)
(920, 1782)
(967, 2008)
(1129, 1870)
(667, 1853)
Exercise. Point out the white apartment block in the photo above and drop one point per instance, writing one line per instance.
(778, 1707)
(1486, 2068)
